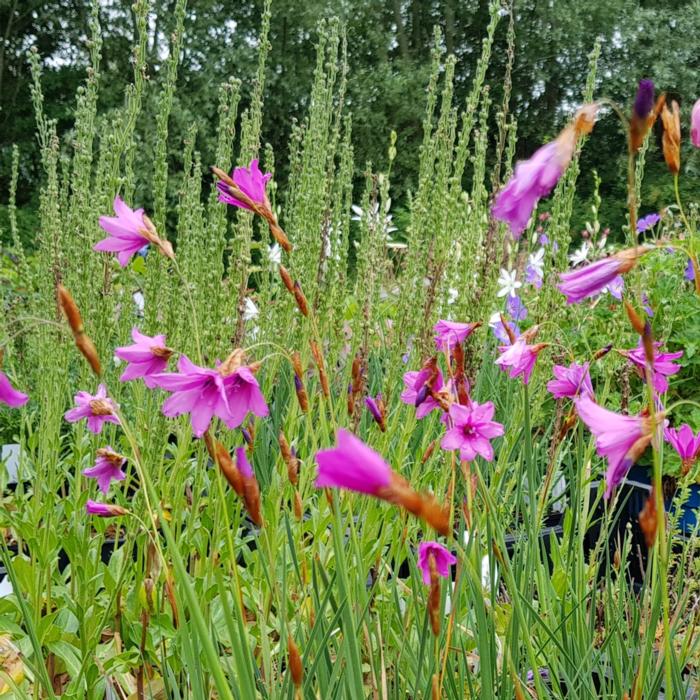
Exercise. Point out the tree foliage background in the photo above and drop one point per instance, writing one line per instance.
(388, 47)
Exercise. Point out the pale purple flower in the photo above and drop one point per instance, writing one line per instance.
(472, 431)
(104, 510)
(689, 273)
(127, 232)
(534, 271)
(450, 333)
(519, 358)
(662, 366)
(107, 468)
(204, 393)
(543, 239)
(647, 222)
(499, 330)
(695, 125)
(616, 287)
(148, 356)
(416, 392)
(352, 465)
(685, 443)
(373, 407)
(571, 381)
(9, 395)
(532, 179)
(516, 309)
(442, 557)
(646, 305)
(250, 181)
(588, 281)
(98, 409)
(620, 439)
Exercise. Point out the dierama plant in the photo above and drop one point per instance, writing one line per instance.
(367, 494)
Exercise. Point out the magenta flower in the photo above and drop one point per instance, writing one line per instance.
(108, 468)
(685, 443)
(519, 358)
(442, 557)
(695, 125)
(104, 510)
(536, 177)
(352, 465)
(9, 395)
(417, 390)
(662, 366)
(97, 409)
(205, 393)
(148, 355)
(588, 281)
(250, 181)
(127, 232)
(571, 381)
(620, 439)
(472, 430)
(450, 333)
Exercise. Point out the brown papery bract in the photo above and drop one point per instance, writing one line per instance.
(82, 341)
(296, 668)
(648, 520)
(671, 139)
(286, 278)
(635, 320)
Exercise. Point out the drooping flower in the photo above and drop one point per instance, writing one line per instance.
(588, 281)
(450, 333)
(519, 358)
(129, 231)
(516, 309)
(98, 410)
(647, 222)
(472, 431)
(571, 381)
(419, 388)
(442, 558)
(695, 125)
(508, 283)
(685, 443)
(662, 366)
(147, 356)
(536, 177)
(250, 181)
(229, 392)
(352, 465)
(104, 510)
(107, 468)
(9, 395)
(620, 439)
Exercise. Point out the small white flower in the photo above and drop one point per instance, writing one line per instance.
(536, 260)
(139, 302)
(508, 283)
(274, 254)
(251, 310)
(452, 295)
(495, 319)
(117, 361)
(580, 255)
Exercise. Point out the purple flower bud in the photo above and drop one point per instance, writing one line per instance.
(297, 383)
(373, 408)
(644, 101)
(246, 436)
